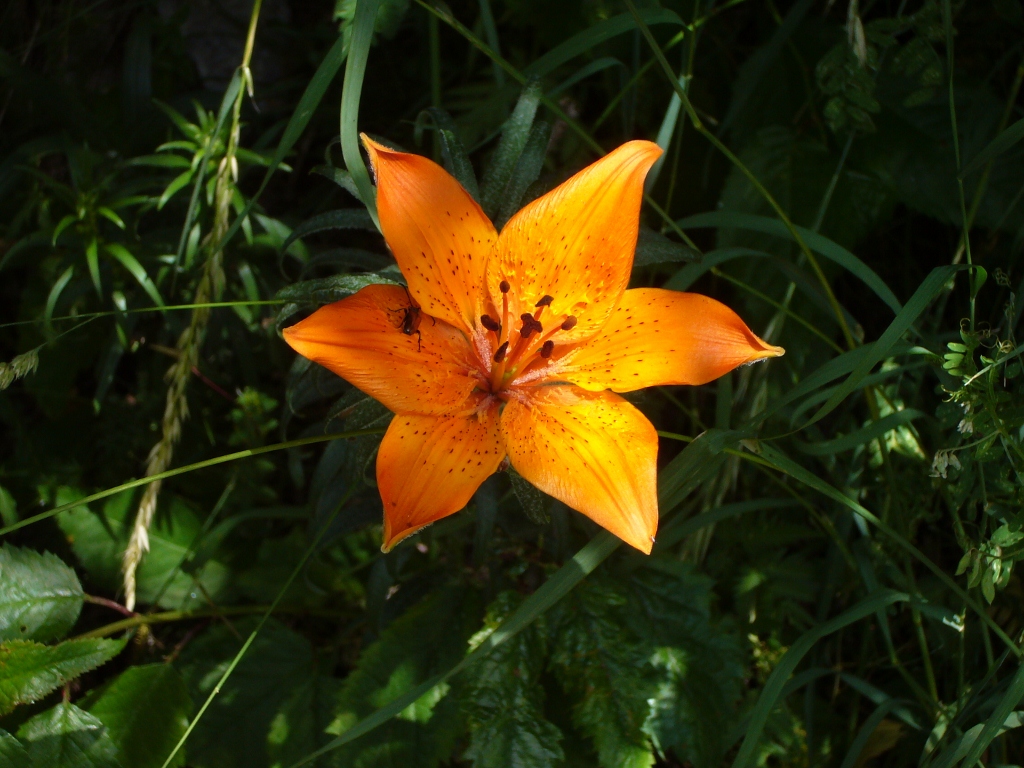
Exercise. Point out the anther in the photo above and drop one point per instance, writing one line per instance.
(504, 286)
(545, 301)
(490, 323)
(500, 354)
(547, 349)
(570, 323)
(530, 324)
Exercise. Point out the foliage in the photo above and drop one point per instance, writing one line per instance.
(835, 578)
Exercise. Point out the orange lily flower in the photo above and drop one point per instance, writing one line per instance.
(514, 344)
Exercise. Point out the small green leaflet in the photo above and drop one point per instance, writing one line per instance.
(41, 596)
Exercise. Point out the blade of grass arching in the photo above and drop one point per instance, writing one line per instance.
(598, 65)
(344, 218)
(188, 468)
(256, 630)
(772, 690)
(585, 41)
(675, 477)
(54, 296)
(868, 381)
(867, 434)
(817, 243)
(118, 312)
(355, 70)
(866, 731)
(678, 529)
(997, 720)
(308, 103)
(491, 31)
(742, 168)
(665, 133)
(922, 297)
(130, 263)
(775, 458)
(994, 148)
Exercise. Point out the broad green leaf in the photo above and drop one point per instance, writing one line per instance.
(652, 247)
(345, 218)
(145, 710)
(453, 153)
(252, 715)
(533, 501)
(68, 737)
(12, 753)
(602, 668)
(699, 666)
(429, 638)
(29, 670)
(299, 727)
(41, 596)
(355, 69)
(503, 698)
(525, 172)
(99, 537)
(310, 294)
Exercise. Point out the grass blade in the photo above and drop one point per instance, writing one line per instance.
(997, 720)
(867, 434)
(355, 70)
(130, 263)
(995, 148)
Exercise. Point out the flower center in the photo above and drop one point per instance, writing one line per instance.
(523, 350)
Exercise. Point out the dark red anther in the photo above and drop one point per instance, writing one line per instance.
(504, 286)
(547, 349)
(545, 301)
(530, 325)
(490, 323)
(569, 324)
(500, 354)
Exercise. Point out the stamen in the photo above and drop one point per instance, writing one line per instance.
(504, 286)
(569, 324)
(490, 323)
(545, 301)
(500, 354)
(530, 325)
(547, 349)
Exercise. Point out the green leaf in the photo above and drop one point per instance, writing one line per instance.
(504, 699)
(526, 171)
(1010, 136)
(12, 753)
(700, 666)
(68, 737)
(584, 42)
(137, 271)
(817, 243)
(99, 538)
(1000, 719)
(602, 667)
(29, 670)
(345, 218)
(652, 247)
(145, 709)
(92, 259)
(429, 638)
(453, 153)
(533, 501)
(8, 507)
(236, 728)
(41, 597)
(514, 136)
(355, 69)
(777, 681)
(872, 431)
(324, 290)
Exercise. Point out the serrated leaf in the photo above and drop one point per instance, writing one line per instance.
(235, 730)
(41, 596)
(345, 218)
(311, 293)
(602, 667)
(504, 700)
(68, 737)
(514, 136)
(652, 247)
(427, 639)
(30, 670)
(533, 501)
(12, 753)
(99, 537)
(145, 709)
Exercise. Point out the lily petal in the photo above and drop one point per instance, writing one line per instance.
(361, 339)
(591, 450)
(440, 237)
(429, 467)
(576, 243)
(657, 337)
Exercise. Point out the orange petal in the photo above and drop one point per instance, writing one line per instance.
(361, 339)
(658, 337)
(440, 237)
(576, 243)
(591, 450)
(429, 467)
